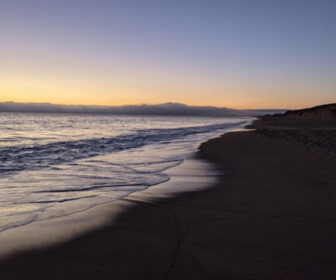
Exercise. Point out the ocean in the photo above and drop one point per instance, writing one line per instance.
(54, 165)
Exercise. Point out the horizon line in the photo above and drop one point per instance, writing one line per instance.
(146, 104)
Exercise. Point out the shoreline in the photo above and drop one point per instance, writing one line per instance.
(271, 215)
(52, 232)
(58, 230)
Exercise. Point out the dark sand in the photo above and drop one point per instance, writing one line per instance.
(271, 216)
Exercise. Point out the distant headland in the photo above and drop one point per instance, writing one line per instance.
(165, 109)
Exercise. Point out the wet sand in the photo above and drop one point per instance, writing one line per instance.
(272, 215)
(192, 175)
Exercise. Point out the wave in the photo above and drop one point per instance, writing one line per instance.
(18, 158)
(72, 175)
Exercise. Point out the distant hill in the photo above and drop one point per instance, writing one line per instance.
(312, 128)
(165, 109)
(327, 111)
(318, 117)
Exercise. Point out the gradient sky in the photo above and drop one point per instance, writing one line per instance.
(242, 54)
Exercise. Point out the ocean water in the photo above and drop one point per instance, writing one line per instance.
(53, 165)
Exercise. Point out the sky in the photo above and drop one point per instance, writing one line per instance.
(239, 54)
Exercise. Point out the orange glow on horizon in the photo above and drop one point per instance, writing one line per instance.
(239, 95)
(202, 55)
